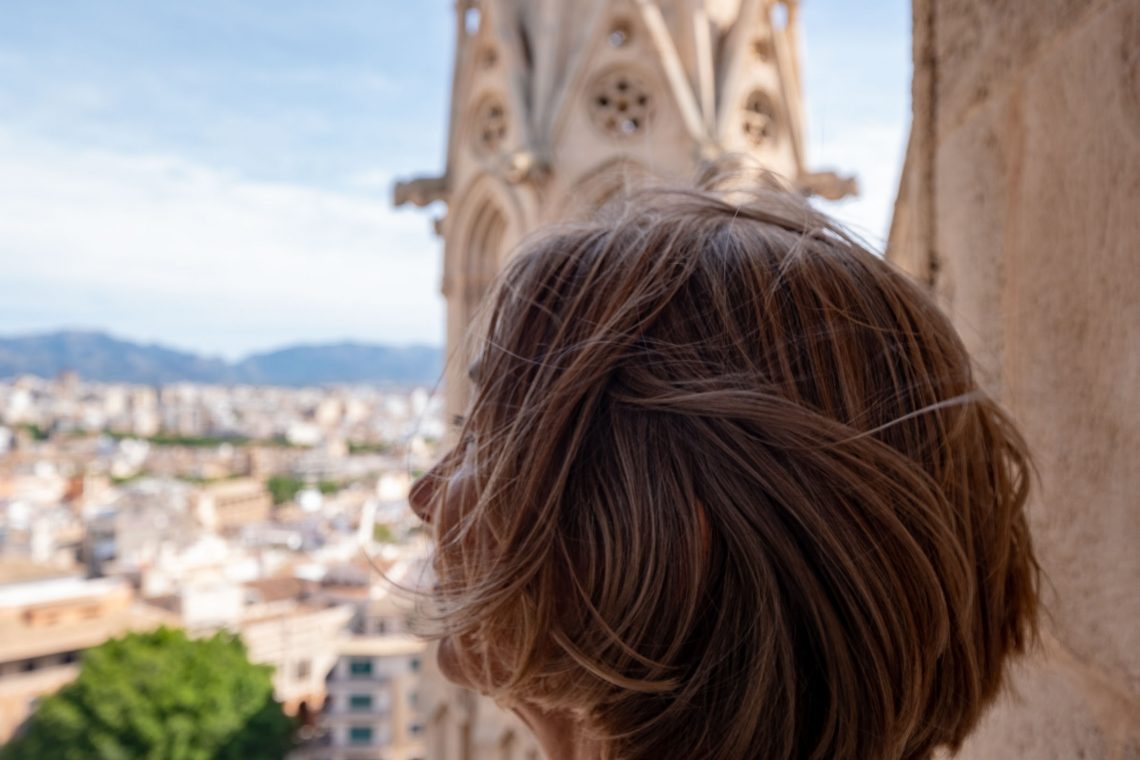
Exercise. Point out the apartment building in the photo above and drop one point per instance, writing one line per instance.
(372, 711)
(297, 637)
(46, 624)
(229, 505)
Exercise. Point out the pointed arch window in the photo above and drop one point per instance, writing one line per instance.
(482, 253)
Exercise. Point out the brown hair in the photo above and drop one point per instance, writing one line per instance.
(738, 493)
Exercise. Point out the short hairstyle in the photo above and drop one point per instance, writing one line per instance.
(739, 492)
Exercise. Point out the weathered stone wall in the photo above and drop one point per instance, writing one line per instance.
(1020, 205)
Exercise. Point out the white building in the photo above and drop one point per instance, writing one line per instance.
(372, 711)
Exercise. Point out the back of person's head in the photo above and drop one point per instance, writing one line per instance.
(738, 493)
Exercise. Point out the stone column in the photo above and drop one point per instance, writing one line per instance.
(1020, 205)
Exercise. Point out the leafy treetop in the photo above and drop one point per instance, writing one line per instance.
(160, 695)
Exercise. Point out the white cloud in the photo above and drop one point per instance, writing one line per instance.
(163, 248)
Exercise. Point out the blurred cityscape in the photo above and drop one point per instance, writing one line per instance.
(274, 513)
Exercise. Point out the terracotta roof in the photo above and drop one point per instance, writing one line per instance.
(20, 642)
(279, 588)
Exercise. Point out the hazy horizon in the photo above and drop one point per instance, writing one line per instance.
(332, 340)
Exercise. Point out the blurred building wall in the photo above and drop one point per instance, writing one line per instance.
(1020, 206)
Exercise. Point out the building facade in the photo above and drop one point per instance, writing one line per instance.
(558, 107)
(299, 639)
(373, 708)
(230, 505)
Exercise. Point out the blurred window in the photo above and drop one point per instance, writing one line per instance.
(360, 735)
(360, 668)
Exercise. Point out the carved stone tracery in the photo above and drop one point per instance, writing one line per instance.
(490, 126)
(620, 103)
(759, 120)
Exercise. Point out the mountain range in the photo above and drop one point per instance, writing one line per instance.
(101, 357)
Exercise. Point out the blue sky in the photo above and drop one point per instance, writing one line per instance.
(215, 175)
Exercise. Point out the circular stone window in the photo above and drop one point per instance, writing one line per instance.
(620, 104)
(490, 125)
(759, 118)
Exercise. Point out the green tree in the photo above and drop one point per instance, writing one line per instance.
(284, 488)
(160, 696)
(36, 432)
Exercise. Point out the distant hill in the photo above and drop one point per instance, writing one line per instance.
(100, 357)
(344, 363)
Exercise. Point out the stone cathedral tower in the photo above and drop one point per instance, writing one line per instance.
(558, 105)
